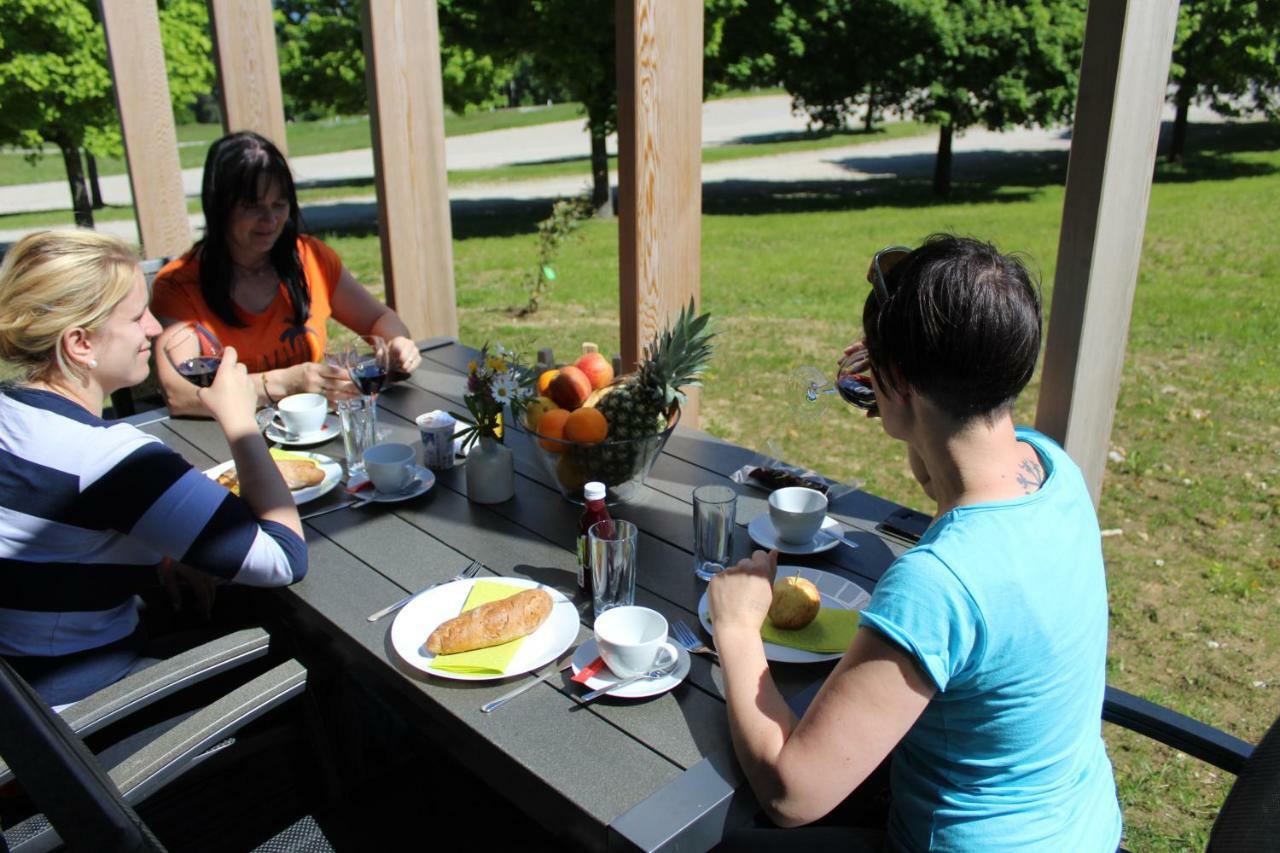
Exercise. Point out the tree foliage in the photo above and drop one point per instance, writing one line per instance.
(188, 54)
(1226, 52)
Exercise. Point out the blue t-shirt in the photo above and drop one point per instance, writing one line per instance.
(1004, 606)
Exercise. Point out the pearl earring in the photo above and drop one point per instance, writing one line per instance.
(93, 363)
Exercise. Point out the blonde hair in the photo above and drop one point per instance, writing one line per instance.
(54, 281)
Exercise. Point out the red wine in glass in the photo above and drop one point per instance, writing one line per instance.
(195, 353)
(367, 374)
(199, 371)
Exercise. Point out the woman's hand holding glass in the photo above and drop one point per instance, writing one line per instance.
(233, 394)
(403, 356)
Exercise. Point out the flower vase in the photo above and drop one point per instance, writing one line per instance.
(491, 475)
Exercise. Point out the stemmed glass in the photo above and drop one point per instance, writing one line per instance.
(367, 362)
(811, 389)
(195, 353)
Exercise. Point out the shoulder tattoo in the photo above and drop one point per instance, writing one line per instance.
(1030, 475)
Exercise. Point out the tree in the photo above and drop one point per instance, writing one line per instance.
(188, 54)
(1227, 52)
(55, 87)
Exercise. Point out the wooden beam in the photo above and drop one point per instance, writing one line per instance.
(136, 57)
(1127, 48)
(244, 49)
(406, 109)
(659, 168)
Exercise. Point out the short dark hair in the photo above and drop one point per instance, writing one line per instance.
(961, 325)
(236, 169)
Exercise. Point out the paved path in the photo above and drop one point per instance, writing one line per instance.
(723, 122)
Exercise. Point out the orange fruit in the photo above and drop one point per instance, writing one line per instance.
(544, 379)
(551, 425)
(586, 426)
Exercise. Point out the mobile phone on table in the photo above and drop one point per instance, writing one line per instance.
(906, 524)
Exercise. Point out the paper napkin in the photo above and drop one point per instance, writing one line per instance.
(493, 660)
(831, 631)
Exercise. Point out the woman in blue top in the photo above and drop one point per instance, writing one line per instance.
(980, 662)
(90, 509)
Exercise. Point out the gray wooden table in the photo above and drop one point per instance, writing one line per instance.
(617, 774)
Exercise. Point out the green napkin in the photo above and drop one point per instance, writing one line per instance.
(493, 660)
(831, 631)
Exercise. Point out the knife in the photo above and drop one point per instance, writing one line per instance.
(564, 663)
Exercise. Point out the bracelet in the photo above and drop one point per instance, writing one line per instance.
(265, 392)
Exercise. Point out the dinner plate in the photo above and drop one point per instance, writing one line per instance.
(762, 531)
(424, 614)
(642, 689)
(331, 429)
(331, 468)
(422, 483)
(835, 591)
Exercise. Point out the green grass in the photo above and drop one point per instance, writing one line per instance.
(1193, 576)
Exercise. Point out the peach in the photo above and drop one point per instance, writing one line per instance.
(597, 368)
(544, 380)
(570, 389)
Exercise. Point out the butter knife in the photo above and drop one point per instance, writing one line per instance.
(558, 666)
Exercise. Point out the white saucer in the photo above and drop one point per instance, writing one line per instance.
(763, 532)
(423, 481)
(332, 428)
(642, 689)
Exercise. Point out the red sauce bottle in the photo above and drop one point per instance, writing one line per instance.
(596, 510)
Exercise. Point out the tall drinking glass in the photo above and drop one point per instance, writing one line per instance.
(612, 546)
(358, 431)
(714, 517)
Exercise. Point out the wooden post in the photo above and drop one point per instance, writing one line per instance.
(136, 57)
(402, 64)
(1127, 47)
(244, 49)
(659, 168)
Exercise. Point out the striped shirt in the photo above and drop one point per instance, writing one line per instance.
(89, 508)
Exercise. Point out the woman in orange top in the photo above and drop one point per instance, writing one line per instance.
(264, 288)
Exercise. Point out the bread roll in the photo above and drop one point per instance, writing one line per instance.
(297, 474)
(492, 624)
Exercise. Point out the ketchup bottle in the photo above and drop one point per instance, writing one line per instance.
(594, 493)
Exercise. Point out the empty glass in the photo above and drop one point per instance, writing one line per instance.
(358, 433)
(715, 511)
(612, 546)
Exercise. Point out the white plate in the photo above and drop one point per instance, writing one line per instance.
(421, 485)
(642, 689)
(331, 468)
(425, 613)
(835, 591)
(332, 429)
(762, 531)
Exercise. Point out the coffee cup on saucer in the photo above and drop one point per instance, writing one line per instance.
(633, 640)
(390, 466)
(797, 513)
(301, 414)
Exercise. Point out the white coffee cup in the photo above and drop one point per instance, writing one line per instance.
(797, 513)
(633, 640)
(301, 414)
(390, 466)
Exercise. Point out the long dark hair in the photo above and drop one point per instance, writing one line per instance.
(236, 169)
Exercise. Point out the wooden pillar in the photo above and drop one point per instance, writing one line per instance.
(136, 57)
(244, 49)
(1127, 47)
(406, 111)
(659, 168)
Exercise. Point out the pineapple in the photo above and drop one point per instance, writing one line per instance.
(638, 405)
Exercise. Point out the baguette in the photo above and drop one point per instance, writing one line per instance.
(492, 624)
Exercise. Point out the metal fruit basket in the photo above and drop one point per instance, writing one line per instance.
(622, 465)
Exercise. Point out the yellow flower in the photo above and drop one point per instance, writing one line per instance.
(496, 364)
(471, 366)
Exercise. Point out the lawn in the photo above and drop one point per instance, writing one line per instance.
(1192, 492)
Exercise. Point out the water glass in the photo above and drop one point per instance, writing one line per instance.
(358, 427)
(612, 545)
(714, 517)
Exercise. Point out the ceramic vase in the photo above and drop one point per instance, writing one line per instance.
(491, 474)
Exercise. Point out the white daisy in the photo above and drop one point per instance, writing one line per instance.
(505, 387)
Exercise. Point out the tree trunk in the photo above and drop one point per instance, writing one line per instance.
(942, 163)
(600, 172)
(1178, 141)
(95, 189)
(870, 120)
(75, 178)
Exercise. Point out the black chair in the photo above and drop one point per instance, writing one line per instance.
(84, 807)
(1250, 816)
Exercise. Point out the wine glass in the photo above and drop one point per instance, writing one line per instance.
(195, 353)
(810, 387)
(367, 362)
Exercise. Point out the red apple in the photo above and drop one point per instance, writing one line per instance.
(570, 388)
(597, 368)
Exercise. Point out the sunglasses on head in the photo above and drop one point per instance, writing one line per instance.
(882, 263)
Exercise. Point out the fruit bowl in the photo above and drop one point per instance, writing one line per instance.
(621, 464)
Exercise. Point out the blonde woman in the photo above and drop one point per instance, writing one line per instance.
(90, 509)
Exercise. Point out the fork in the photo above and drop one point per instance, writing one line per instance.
(469, 572)
(689, 640)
